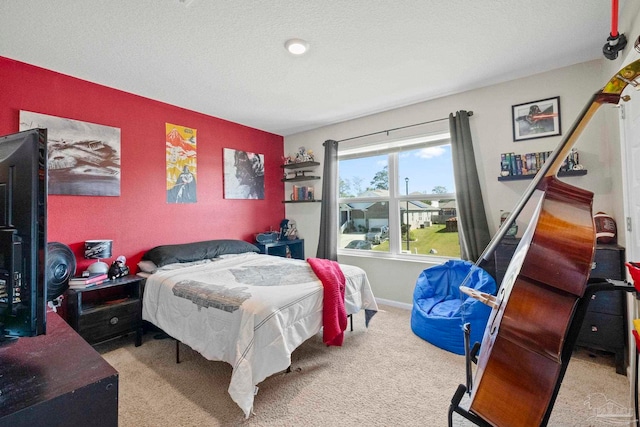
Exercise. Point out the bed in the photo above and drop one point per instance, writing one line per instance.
(232, 304)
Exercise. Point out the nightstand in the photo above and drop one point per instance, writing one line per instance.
(279, 248)
(107, 310)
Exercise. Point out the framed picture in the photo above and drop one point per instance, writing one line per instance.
(243, 174)
(83, 158)
(536, 119)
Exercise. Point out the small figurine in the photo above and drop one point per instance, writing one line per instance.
(118, 268)
(292, 232)
(303, 155)
(284, 226)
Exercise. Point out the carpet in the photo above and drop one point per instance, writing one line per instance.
(383, 375)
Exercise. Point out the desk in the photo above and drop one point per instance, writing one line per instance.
(56, 379)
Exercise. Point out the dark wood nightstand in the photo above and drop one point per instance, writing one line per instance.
(107, 310)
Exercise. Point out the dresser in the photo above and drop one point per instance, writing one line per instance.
(604, 325)
(56, 380)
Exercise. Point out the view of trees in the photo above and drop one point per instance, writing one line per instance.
(353, 187)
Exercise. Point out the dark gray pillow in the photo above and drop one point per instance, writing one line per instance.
(187, 252)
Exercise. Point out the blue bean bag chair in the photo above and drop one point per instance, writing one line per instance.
(440, 309)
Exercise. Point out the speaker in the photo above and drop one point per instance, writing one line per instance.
(61, 266)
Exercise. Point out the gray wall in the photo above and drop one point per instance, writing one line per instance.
(491, 129)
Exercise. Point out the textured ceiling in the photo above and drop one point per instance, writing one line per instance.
(226, 58)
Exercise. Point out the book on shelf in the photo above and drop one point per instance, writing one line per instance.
(302, 193)
(92, 280)
(512, 164)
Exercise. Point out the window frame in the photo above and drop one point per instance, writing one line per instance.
(393, 149)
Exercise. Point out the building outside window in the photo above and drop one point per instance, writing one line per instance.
(398, 198)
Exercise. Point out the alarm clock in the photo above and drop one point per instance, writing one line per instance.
(269, 237)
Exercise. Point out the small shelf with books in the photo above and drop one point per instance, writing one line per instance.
(580, 172)
(300, 193)
(515, 167)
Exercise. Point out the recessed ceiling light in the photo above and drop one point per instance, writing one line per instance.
(296, 46)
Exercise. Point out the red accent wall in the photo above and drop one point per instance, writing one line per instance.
(140, 218)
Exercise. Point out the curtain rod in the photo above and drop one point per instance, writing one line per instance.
(469, 113)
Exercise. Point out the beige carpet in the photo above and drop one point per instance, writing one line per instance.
(382, 376)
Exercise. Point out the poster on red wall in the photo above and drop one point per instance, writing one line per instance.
(243, 175)
(181, 164)
(83, 158)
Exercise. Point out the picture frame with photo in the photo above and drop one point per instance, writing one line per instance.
(536, 119)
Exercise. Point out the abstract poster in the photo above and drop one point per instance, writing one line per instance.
(243, 175)
(83, 158)
(181, 164)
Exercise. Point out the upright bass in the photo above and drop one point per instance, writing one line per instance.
(521, 361)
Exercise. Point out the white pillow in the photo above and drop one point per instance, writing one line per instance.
(147, 266)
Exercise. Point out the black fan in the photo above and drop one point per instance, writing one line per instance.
(61, 266)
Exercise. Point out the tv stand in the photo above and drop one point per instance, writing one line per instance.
(56, 379)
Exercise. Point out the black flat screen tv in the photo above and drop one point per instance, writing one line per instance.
(23, 234)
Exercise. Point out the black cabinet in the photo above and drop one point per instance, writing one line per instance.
(604, 325)
(283, 248)
(502, 257)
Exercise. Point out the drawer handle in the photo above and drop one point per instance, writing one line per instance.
(113, 320)
(594, 328)
(593, 265)
(593, 296)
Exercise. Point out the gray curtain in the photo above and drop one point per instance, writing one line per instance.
(328, 241)
(472, 220)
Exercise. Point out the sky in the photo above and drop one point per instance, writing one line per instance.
(426, 168)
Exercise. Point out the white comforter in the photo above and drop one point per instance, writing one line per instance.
(249, 310)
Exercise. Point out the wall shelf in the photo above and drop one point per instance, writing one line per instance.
(301, 197)
(580, 172)
(299, 165)
(300, 178)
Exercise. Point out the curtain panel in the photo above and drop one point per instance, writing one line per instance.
(472, 219)
(328, 237)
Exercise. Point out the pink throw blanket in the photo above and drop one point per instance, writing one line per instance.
(334, 313)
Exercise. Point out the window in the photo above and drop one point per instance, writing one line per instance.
(398, 198)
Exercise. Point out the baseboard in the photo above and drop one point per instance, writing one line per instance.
(394, 303)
